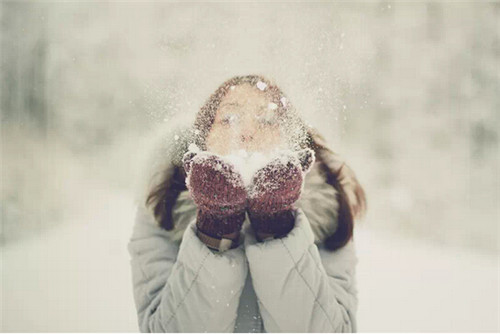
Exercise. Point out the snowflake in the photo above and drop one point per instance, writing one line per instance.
(261, 85)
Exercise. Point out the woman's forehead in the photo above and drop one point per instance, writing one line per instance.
(237, 95)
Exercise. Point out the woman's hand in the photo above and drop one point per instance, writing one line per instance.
(274, 190)
(218, 191)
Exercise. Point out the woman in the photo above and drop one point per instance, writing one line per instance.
(211, 252)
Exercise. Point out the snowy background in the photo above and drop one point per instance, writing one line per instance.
(406, 92)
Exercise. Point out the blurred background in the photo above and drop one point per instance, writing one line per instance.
(405, 91)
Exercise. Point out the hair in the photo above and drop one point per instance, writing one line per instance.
(350, 195)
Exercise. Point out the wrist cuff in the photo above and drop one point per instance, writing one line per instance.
(228, 241)
(272, 226)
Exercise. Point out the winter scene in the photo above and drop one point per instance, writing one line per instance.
(249, 166)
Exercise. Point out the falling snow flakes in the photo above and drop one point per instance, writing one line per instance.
(176, 137)
(283, 101)
(193, 148)
(261, 85)
(272, 106)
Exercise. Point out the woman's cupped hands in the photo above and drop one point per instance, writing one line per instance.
(217, 187)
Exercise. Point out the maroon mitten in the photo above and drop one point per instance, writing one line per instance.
(220, 195)
(274, 190)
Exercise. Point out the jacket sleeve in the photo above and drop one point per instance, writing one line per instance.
(186, 287)
(302, 287)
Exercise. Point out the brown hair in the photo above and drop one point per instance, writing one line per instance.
(350, 195)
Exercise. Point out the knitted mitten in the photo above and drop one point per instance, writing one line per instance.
(220, 196)
(274, 190)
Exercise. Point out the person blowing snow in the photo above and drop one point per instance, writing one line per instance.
(247, 223)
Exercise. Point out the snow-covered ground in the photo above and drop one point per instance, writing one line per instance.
(410, 285)
(76, 277)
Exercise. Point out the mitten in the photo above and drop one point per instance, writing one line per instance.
(274, 190)
(220, 195)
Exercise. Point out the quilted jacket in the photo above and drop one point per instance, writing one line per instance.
(291, 284)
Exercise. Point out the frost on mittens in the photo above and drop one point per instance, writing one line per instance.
(218, 191)
(256, 171)
(274, 190)
(221, 186)
(287, 170)
(219, 180)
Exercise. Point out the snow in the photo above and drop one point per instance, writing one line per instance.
(283, 101)
(409, 284)
(272, 106)
(402, 106)
(261, 85)
(207, 158)
(247, 163)
(193, 148)
(75, 277)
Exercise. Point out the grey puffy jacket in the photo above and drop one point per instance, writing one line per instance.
(290, 284)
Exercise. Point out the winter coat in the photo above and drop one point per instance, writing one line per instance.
(291, 284)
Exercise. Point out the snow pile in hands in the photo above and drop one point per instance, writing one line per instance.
(247, 164)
